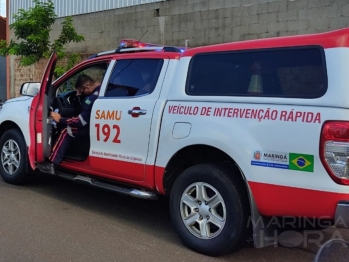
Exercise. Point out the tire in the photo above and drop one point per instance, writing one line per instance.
(13, 157)
(213, 220)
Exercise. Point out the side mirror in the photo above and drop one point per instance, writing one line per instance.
(30, 88)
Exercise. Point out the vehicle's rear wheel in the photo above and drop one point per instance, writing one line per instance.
(209, 209)
(13, 157)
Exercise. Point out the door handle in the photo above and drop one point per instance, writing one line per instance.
(136, 112)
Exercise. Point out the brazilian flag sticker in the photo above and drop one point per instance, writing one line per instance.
(301, 162)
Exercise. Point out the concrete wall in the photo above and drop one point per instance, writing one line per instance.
(203, 22)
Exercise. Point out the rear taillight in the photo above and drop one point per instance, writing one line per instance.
(334, 150)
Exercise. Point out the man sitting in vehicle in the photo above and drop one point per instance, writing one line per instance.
(72, 127)
(146, 82)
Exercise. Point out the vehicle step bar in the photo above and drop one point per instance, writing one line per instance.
(111, 187)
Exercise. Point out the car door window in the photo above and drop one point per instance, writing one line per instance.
(66, 100)
(96, 72)
(134, 77)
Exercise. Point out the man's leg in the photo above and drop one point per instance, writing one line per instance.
(60, 147)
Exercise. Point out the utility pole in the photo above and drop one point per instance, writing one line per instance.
(8, 89)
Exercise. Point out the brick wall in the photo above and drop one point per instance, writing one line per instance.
(31, 73)
(203, 22)
(27, 73)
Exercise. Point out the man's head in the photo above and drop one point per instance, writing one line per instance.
(147, 79)
(145, 75)
(85, 85)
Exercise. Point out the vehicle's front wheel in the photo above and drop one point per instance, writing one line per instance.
(13, 157)
(209, 209)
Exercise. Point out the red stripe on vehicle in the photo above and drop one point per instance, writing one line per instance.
(124, 169)
(132, 173)
(276, 200)
(337, 38)
(159, 179)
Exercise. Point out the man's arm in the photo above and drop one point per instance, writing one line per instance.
(83, 118)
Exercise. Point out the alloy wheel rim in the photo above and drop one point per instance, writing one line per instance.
(203, 210)
(10, 156)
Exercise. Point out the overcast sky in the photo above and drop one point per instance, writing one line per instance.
(3, 7)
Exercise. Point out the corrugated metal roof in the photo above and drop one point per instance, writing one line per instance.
(77, 7)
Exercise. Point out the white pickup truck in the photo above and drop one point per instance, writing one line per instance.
(233, 133)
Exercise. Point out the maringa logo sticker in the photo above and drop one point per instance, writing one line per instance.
(291, 161)
(257, 155)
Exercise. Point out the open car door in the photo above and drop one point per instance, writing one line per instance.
(39, 126)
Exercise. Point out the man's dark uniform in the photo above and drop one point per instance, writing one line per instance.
(73, 127)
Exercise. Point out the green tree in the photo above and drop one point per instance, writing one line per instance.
(32, 29)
